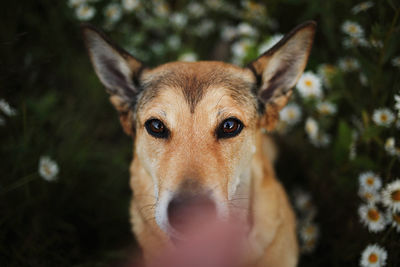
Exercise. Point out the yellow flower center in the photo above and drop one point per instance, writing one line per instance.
(310, 230)
(111, 12)
(308, 83)
(373, 258)
(373, 215)
(291, 114)
(384, 117)
(352, 29)
(368, 196)
(370, 181)
(47, 170)
(396, 195)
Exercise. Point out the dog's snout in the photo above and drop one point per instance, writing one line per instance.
(187, 211)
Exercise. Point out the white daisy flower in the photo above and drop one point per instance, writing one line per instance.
(327, 72)
(130, 5)
(246, 29)
(321, 140)
(353, 29)
(76, 3)
(113, 12)
(397, 104)
(228, 33)
(161, 9)
(311, 128)
(240, 49)
(376, 43)
(188, 57)
(290, 114)
(362, 7)
(396, 62)
(196, 9)
(309, 85)
(393, 219)
(158, 48)
(369, 181)
(351, 42)
(348, 64)
(390, 146)
(371, 197)
(373, 256)
(214, 4)
(308, 246)
(326, 108)
(273, 40)
(48, 169)
(85, 12)
(6, 108)
(383, 117)
(205, 27)
(391, 195)
(363, 79)
(309, 233)
(371, 217)
(174, 42)
(302, 200)
(179, 20)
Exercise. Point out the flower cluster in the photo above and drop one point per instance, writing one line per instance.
(372, 215)
(158, 18)
(344, 114)
(307, 229)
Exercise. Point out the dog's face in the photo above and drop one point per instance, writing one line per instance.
(194, 124)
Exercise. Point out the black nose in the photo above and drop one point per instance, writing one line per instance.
(187, 211)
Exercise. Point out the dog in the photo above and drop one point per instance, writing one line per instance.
(199, 141)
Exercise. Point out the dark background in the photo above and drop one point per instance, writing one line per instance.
(63, 111)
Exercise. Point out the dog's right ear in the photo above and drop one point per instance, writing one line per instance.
(278, 70)
(118, 71)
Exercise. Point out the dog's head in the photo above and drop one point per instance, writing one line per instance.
(194, 124)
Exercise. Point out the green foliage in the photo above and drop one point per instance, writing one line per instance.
(62, 111)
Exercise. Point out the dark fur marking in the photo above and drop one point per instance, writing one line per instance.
(194, 86)
(119, 80)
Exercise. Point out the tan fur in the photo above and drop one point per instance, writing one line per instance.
(194, 151)
(192, 100)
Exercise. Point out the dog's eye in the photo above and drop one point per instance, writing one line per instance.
(229, 128)
(156, 128)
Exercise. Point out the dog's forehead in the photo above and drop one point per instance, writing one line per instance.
(194, 79)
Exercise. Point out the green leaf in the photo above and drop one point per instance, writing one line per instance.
(371, 132)
(342, 143)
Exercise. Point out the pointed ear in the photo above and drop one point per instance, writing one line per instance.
(278, 70)
(117, 70)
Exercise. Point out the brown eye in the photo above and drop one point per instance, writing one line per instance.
(156, 128)
(230, 127)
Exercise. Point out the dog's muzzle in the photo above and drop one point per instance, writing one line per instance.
(188, 211)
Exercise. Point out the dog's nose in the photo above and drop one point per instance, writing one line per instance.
(187, 211)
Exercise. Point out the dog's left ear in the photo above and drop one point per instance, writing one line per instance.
(118, 71)
(278, 70)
